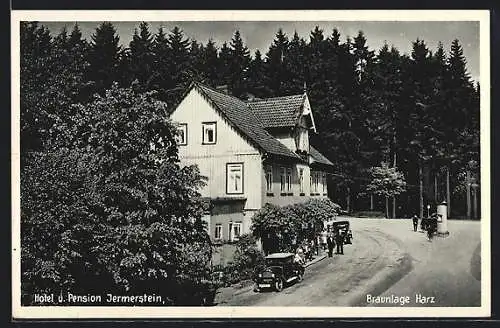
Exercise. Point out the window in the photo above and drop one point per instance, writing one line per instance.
(314, 182)
(301, 180)
(182, 134)
(282, 179)
(209, 133)
(218, 231)
(324, 183)
(269, 179)
(234, 178)
(235, 230)
(289, 179)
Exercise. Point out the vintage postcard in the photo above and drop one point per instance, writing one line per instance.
(250, 164)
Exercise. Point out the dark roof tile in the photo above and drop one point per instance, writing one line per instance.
(278, 111)
(318, 157)
(243, 118)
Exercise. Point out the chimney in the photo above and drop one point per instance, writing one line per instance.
(223, 89)
(248, 96)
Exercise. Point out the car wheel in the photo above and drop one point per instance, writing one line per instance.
(278, 285)
(300, 277)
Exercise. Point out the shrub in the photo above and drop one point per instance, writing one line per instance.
(278, 227)
(247, 257)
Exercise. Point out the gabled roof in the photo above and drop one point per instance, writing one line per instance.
(251, 119)
(242, 118)
(318, 157)
(278, 111)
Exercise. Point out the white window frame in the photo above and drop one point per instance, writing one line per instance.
(314, 182)
(182, 128)
(269, 178)
(289, 179)
(218, 228)
(230, 168)
(301, 180)
(206, 126)
(282, 179)
(233, 226)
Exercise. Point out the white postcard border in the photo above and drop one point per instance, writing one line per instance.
(68, 312)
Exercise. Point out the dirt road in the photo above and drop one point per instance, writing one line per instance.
(373, 260)
(386, 258)
(446, 271)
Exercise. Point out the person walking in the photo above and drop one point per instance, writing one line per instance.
(431, 227)
(339, 240)
(331, 244)
(415, 222)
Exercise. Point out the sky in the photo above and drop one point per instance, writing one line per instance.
(259, 35)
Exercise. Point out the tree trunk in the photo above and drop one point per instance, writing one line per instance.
(393, 207)
(448, 202)
(468, 194)
(394, 164)
(474, 203)
(348, 200)
(435, 188)
(386, 207)
(371, 202)
(421, 189)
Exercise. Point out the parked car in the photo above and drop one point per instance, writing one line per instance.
(279, 270)
(343, 226)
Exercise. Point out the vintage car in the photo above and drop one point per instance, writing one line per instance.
(344, 227)
(280, 269)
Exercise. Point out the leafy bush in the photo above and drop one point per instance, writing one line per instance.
(279, 227)
(247, 257)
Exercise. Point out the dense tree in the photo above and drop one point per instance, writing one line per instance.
(238, 65)
(115, 212)
(52, 78)
(35, 68)
(105, 57)
(161, 79)
(211, 62)
(257, 74)
(276, 67)
(141, 55)
(224, 65)
(197, 61)
(179, 60)
(296, 57)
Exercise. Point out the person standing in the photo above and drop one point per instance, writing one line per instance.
(331, 244)
(415, 222)
(299, 257)
(324, 237)
(431, 227)
(339, 240)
